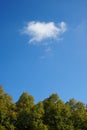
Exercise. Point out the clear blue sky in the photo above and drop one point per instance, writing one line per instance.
(61, 66)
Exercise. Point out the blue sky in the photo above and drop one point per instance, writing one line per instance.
(45, 58)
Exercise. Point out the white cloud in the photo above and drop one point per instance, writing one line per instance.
(39, 31)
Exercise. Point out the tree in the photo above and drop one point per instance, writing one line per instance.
(50, 114)
(7, 111)
(36, 122)
(24, 105)
(78, 114)
(57, 114)
(25, 102)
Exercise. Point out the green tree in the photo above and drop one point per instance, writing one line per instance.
(25, 102)
(57, 114)
(36, 122)
(24, 105)
(7, 111)
(50, 114)
(78, 114)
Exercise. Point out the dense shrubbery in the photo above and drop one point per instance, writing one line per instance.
(50, 114)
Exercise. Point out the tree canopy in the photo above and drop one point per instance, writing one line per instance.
(50, 114)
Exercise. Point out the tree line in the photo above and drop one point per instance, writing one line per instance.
(50, 114)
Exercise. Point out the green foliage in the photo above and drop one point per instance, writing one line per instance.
(2, 127)
(50, 114)
(25, 102)
(24, 105)
(7, 111)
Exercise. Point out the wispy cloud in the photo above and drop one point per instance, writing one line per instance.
(48, 49)
(40, 31)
